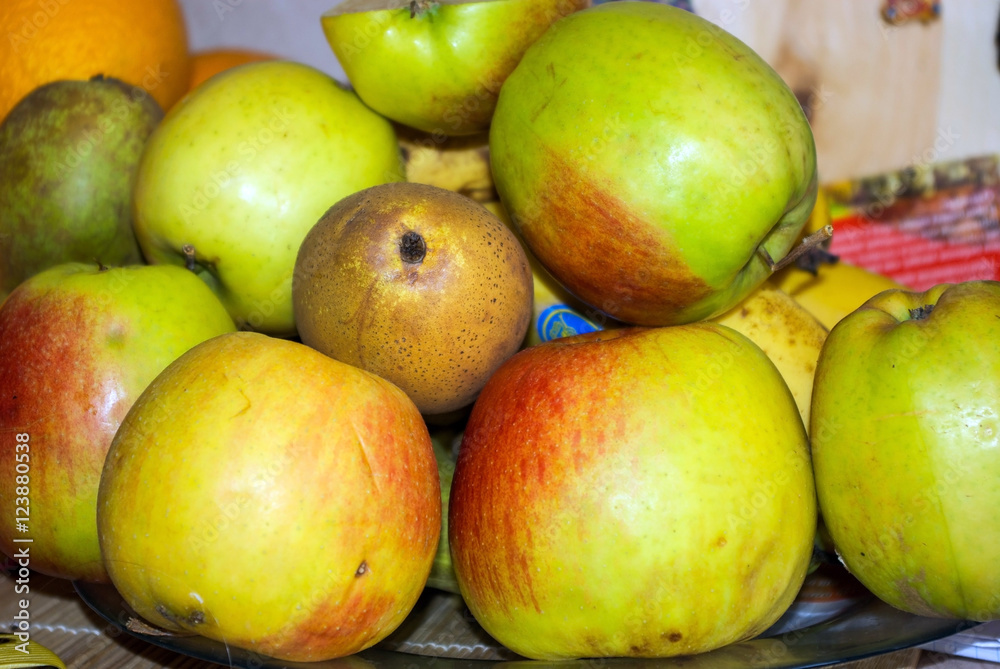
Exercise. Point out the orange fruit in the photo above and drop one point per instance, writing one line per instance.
(205, 64)
(142, 43)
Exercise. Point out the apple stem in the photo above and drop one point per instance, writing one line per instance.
(189, 262)
(809, 243)
(101, 267)
(418, 7)
(412, 247)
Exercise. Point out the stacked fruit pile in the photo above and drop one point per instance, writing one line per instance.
(514, 316)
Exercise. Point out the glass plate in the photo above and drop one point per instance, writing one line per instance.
(833, 619)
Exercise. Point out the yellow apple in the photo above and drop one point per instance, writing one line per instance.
(264, 495)
(634, 492)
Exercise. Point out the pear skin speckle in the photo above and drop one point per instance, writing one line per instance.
(418, 284)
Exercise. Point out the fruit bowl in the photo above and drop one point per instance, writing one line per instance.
(832, 620)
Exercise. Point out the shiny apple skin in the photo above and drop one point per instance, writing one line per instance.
(646, 157)
(637, 492)
(441, 69)
(78, 345)
(242, 167)
(302, 508)
(905, 432)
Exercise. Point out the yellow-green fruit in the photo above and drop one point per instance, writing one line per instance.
(616, 494)
(320, 471)
(437, 66)
(69, 152)
(243, 167)
(652, 162)
(790, 336)
(835, 290)
(418, 284)
(905, 433)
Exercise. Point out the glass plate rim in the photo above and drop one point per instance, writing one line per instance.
(96, 596)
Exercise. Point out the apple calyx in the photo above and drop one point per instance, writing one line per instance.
(412, 248)
(811, 242)
(419, 7)
(140, 626)
(196, 617)
(920, 313)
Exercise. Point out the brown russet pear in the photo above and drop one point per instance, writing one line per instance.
(420, 285)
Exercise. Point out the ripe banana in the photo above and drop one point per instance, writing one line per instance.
(18, 653)
(836, 290)
(461, 164)
(820, 216)
(789, 335)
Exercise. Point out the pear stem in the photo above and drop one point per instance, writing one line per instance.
(189, 261)
(809, 243)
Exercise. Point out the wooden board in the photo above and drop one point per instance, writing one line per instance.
(882, 96)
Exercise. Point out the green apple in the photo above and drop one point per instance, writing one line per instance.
(69, 151)
(653, 163)
(243, 167)
(437, 65)
(78, 344)
(442, 574)
(302, 509)
(635, 492)
(905, 432)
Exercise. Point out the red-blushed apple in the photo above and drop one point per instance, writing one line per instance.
(635, 492)
(652, 162)
(78, 344)
(437, 65)
(302, 509)
(905, 432)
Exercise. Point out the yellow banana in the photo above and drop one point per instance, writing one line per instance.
(820, 216)
(17, 652)
(836, 290)
(789, 335)
(461, 164)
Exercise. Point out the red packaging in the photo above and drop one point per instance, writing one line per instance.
(922, 225)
